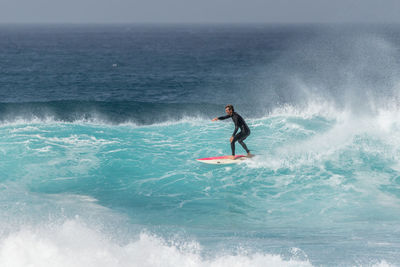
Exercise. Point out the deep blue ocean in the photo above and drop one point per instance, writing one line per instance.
(101, 126)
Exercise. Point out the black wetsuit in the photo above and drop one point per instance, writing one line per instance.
(244, 131)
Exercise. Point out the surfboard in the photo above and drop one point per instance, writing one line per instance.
(223, 160)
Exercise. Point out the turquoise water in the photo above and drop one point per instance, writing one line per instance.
(322, 189)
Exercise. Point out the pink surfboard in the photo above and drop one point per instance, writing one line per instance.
(223, 159)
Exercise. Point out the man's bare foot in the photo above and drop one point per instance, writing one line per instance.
(232, 157)
(249, 155)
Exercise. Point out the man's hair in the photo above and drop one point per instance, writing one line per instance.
(230, 107)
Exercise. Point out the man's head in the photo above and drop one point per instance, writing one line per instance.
(229, 110)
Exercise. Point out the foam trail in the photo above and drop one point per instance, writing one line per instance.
(74, 244)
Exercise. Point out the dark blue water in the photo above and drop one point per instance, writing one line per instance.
(100, 127)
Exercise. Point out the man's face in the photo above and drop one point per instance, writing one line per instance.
(228, 111)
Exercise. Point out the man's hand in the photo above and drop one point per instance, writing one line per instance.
(231, 139)
(215, 119)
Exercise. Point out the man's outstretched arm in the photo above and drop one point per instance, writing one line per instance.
(221, 118)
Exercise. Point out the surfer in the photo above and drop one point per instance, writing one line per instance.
(239, 123)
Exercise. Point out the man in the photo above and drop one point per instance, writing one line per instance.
(239, 123)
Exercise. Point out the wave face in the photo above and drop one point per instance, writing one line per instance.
(100, 127)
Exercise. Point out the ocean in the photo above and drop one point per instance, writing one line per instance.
(101, 126)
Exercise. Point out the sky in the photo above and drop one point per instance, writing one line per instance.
(199, 11)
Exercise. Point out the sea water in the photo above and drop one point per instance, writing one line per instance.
(100, 126)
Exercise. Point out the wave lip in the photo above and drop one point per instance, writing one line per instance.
(112, 112)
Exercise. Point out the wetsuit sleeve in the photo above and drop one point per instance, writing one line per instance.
(235, 120)
(224, 117)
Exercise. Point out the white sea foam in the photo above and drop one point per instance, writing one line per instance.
(76, 244)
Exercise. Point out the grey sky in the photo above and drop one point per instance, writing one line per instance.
(199, 11)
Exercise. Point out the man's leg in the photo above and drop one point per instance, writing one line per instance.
(244, 146)
(239, 137)
(233, 146)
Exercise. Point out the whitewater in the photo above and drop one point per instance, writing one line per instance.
(98, 153)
